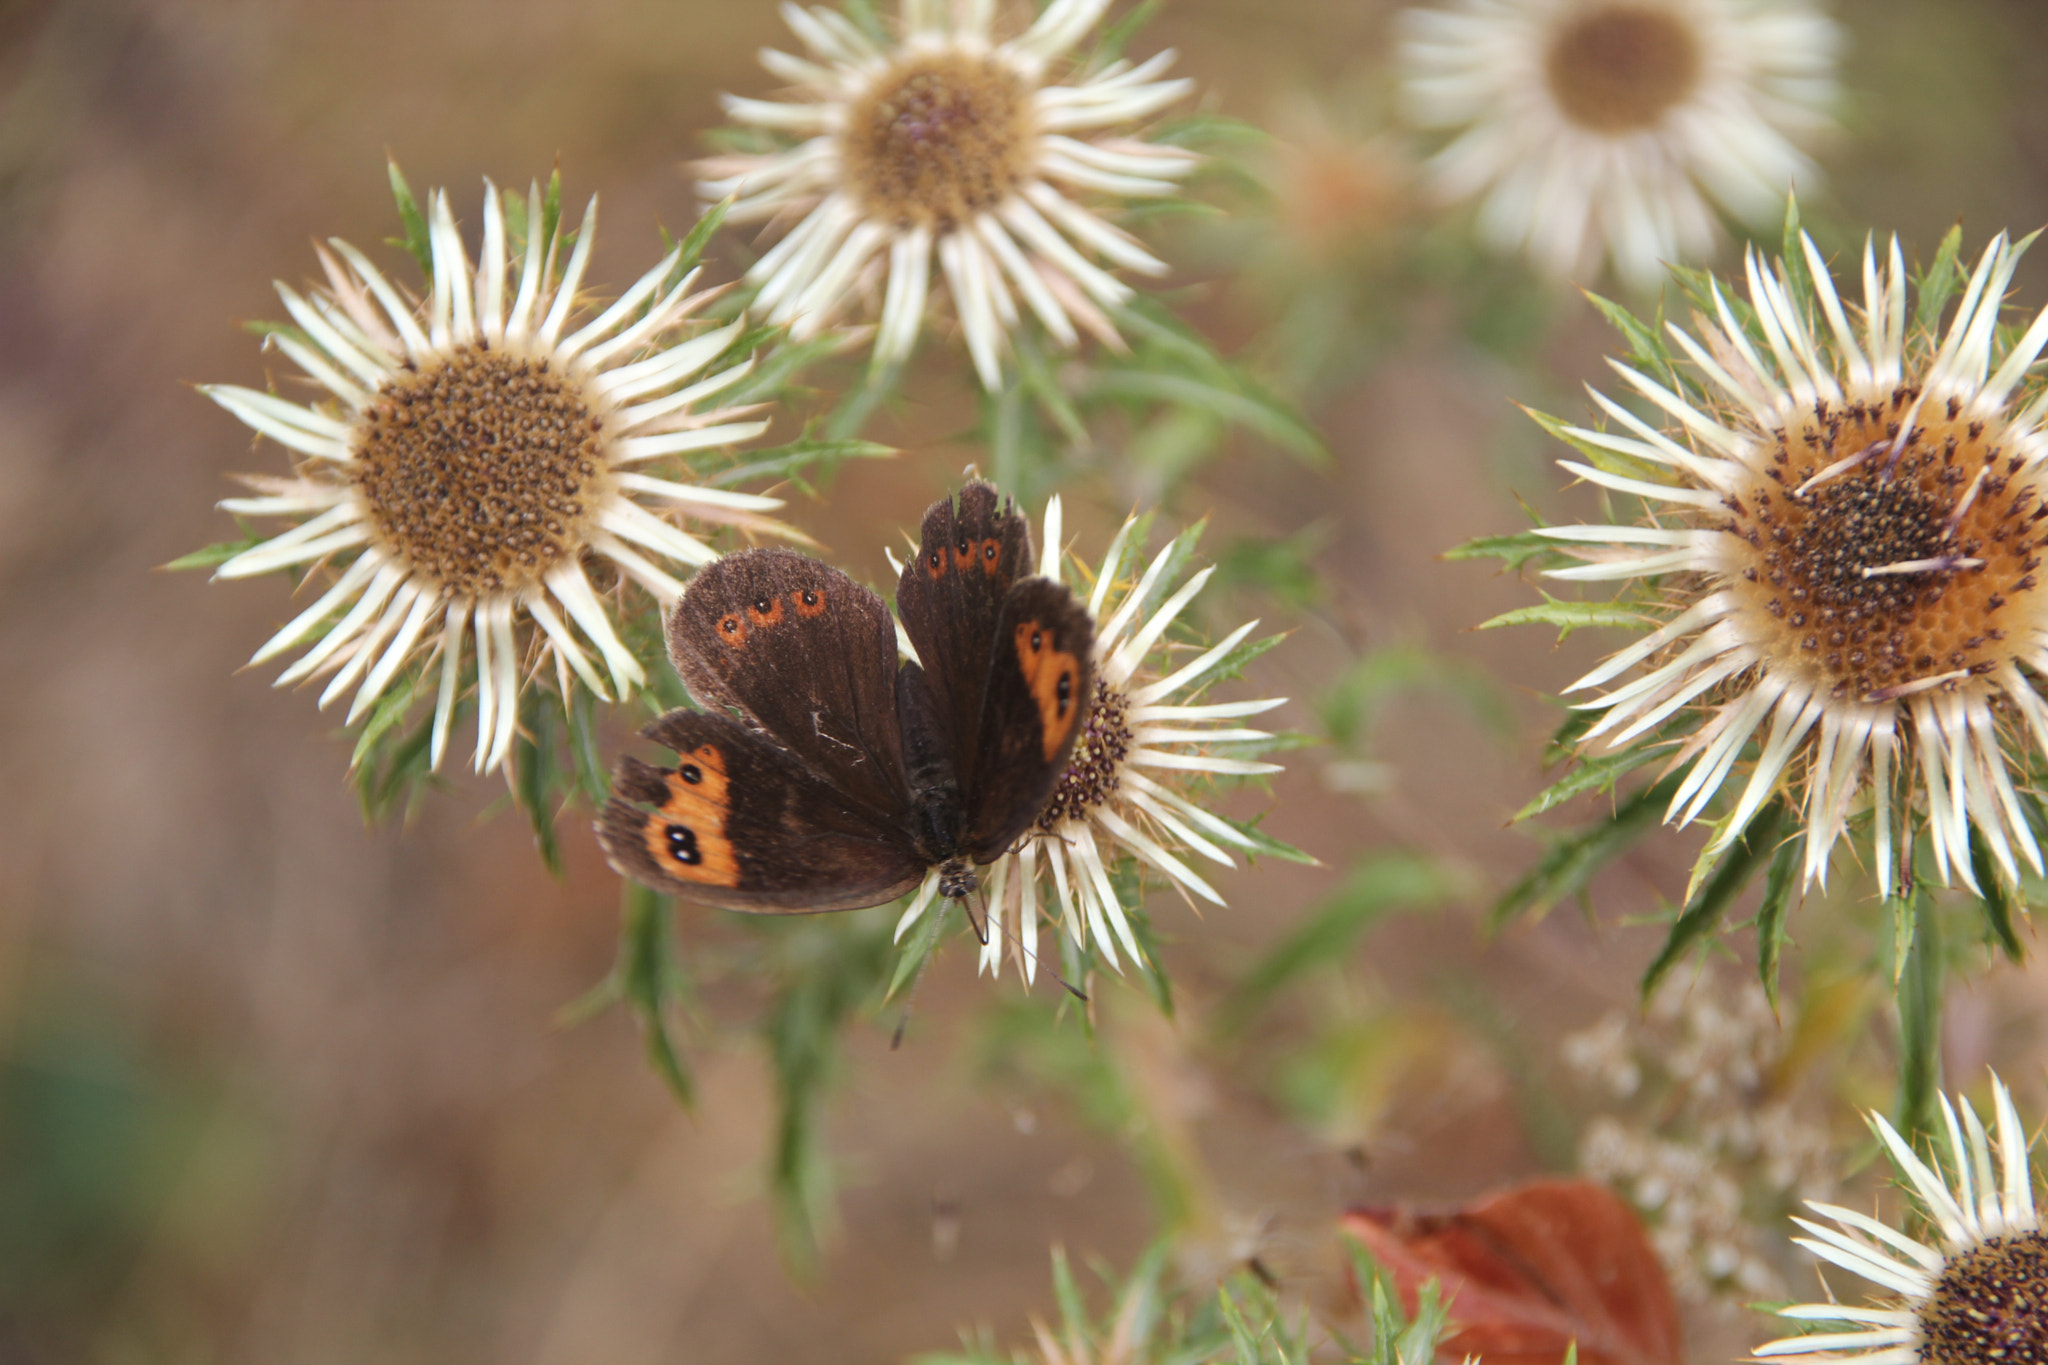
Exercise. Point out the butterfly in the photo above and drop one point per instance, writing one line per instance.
(823, 776)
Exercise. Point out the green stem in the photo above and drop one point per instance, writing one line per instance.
(1920, 1018)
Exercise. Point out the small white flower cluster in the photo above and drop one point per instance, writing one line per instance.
(1712, 1159)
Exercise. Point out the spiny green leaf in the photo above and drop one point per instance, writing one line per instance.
(1571, 616)
(1238, 404)
(218, 553)
(1600, 456)
(540, 784)
(1110, 46)
(1644, 344)
(773, 372)
(1597, 773)
(592, 773)
(1375, 887)
(699, 235)
(1919, 1016)
(1779, 888)
(551, 217)
(1939, 284)
(1798, 278)
(799, 459)
(1997, 898)
(911, 963)
(1512, 550)
(385, 713)
(1570, 864)
(416, 240)
(651, 982)
(1265, 845)
(395, 771)
(1732, 873)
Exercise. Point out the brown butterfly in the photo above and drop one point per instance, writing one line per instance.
(823, 776)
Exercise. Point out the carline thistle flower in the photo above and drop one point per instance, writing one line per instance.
(1121, 792)
(948, 143)
(1847, 534)
(1605, 127)
(475, 452)
(1973, 1288)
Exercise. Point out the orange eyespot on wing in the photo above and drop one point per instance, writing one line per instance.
(1053, 677)
(686, 834)
(991, 556)
(731, 630)
(963, 553)
(935, 565)
(767, 611)
(809, 603)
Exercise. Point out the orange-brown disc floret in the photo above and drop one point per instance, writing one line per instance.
(940, 138)
(1095, 771)
(1987, 1305)
(480, 471)
(1874, 565)
(1619, 68)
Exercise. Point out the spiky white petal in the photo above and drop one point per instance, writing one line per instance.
(1568, 189)
(1978, 1189)
(1163, 725)
(1820, 746)
(1028, 243)
(361, 335)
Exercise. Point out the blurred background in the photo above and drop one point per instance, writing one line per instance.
(278, 1088)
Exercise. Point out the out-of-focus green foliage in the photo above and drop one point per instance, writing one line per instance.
(1155, 1319)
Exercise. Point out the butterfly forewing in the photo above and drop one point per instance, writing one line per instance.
(740, 824)
(950, 598)
(1040, 682)
(807, 656)
(821, 778)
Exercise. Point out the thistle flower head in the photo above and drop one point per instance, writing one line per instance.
(1605, 127)
(1969, 1289)
(1846, 556)
(944, 142)
(1150, 731)
(476, 452)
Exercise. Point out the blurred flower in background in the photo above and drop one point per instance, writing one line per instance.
(1712, 1145)
(1968, 1289)
(1844, 561)
(1594, 128)
(473, 449)
(941, 141)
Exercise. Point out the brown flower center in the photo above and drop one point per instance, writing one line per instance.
(1878, 567)
(1990, 1304)
(1617, 68)
(482, 470)
(1095, 771)
(939, 138)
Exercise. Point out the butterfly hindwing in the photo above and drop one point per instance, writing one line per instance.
(950, 597)
(807, 656)
(740, 824)
(1040, 681)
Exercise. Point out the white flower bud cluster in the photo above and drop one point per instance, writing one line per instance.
(1708, 1155)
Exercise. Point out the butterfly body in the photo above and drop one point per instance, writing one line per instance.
(823, 775)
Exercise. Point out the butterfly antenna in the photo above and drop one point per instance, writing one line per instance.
(1052, 971)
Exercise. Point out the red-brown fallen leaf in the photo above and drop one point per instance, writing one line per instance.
(1531, 1269)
